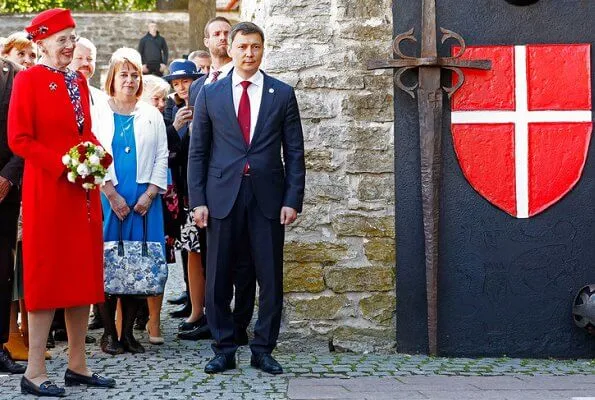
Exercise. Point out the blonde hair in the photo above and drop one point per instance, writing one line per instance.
(154, 85)
(124, 55)
(19, 41)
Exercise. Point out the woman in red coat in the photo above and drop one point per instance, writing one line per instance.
(62, 227)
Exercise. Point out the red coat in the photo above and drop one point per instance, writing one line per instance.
(62, 247)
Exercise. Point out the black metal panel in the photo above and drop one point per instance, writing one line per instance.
(506, 284)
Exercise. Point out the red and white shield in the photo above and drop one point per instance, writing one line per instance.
(521, 130)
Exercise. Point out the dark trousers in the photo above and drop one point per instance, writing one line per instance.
(244, 282)
(9, 214)
(245, 225)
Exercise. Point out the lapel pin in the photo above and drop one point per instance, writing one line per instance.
(53, 86)
(271, 90)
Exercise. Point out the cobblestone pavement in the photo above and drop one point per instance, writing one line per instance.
(175, 371)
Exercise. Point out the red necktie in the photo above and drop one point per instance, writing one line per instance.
(215, 76)
(244, 117)
(244, 112)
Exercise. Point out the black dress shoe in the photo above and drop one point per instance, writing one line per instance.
(132, 345)
(7, 364)
(110, 345)
(71, 378)
(181, 299)
(188, 326)
(198, 333)
(182, 312)
(46, 389)
(241, 337)
(266, 363)
(220, 363)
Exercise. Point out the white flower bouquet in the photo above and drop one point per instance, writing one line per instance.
(87, 164)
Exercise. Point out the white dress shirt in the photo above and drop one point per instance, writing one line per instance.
(224, 72)
(254, 94)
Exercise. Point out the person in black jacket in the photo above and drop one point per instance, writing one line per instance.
(153, 50)
(11, 171)
(177, 115)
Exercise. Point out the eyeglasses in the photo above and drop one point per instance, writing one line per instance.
(63, 40)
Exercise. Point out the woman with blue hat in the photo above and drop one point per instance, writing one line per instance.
(178, 115)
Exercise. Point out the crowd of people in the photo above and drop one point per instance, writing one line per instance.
(206, 156)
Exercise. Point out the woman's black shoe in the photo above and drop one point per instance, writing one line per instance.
(188, 326)
(182, 312)
(181, 299)
(199, 333)
(71, 378)
(132, 345)
(46, 389)
(110, 345)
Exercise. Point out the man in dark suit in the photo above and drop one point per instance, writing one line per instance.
(244, 191)
(11, 170)
(216, 40)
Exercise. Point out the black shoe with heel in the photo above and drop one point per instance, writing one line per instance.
(46, 389)
(182, 312)
(201, 332)
(71, 378)
(188, 326)
(181, 299)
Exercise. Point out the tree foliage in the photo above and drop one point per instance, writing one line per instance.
(24, 6)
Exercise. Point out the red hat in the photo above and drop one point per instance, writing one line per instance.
(49, 22)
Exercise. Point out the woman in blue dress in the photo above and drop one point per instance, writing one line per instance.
(134, 133)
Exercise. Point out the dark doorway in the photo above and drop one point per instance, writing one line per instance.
(506, 285)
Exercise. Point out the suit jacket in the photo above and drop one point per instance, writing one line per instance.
(11, 166)
(195, 89)
(218, 152)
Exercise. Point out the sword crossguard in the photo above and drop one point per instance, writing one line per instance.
(403, 62)
(405, 36)
(410, 90)
(446, 35)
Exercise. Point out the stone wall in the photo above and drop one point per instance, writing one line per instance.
(110, 31)
(339, 257)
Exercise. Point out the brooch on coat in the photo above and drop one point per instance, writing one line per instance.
(53, 86)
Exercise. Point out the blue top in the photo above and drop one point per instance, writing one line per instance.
(124, 153)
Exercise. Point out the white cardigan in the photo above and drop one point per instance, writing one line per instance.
(151, 143)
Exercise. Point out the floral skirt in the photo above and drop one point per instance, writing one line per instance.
(189, 239)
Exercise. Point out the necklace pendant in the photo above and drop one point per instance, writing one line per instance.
(127, 149)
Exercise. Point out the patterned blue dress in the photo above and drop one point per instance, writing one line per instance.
(124, 152)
